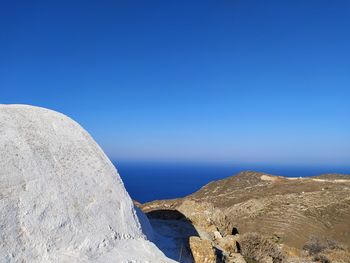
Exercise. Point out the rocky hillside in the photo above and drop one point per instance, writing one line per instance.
(289, 210)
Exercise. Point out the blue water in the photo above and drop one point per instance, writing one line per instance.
(151, 181)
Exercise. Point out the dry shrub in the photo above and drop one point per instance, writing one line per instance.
(291, 252)
(334, 245)
(326, 250)
(259, 248)
(316, 245)
(339, 256)
(321, 258)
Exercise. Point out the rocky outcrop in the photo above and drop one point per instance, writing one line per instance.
(228, 244)
(61, 199)
(223, 249)
(202, 250)
(234, 258)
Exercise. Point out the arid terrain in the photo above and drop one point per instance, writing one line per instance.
(289, 211)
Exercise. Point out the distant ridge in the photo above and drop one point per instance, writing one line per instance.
(291, 208)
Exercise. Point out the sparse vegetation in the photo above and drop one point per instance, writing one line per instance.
(314, 246)
(321, 258)
(319, 248)
(257, 248)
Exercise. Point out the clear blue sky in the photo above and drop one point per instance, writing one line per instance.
(236, 81)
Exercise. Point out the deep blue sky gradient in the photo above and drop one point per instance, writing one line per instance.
(227, 81)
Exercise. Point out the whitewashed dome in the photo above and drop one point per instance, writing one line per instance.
(61, 199)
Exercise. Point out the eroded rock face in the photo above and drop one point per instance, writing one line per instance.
(61, 199)
(229, 243)
(202, 250)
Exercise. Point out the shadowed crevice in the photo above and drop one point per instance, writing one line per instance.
(172, 231)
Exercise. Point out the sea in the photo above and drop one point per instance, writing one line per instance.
(148, 181)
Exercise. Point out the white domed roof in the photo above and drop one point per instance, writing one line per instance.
(61, 199)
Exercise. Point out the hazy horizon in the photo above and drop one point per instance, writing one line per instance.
(147, 181)
(230, 82)
(331, 168)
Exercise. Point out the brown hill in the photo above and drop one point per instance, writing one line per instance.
(287, 209)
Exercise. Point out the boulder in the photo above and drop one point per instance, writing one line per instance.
(234, 258)
(217, 235)
(61, 198)
(202, 250)
(228, 243)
